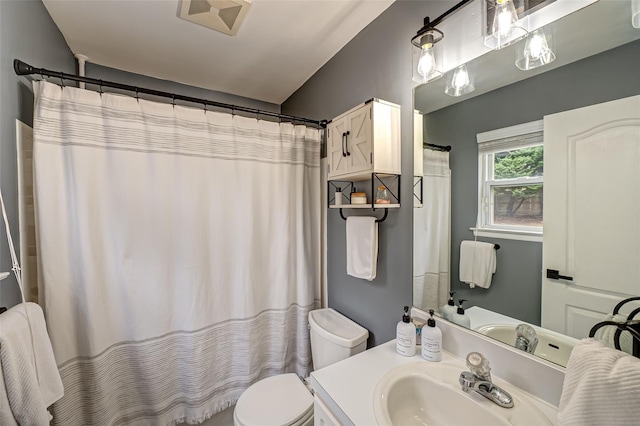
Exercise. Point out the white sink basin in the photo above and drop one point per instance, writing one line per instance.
(553, 347)
(424, 393)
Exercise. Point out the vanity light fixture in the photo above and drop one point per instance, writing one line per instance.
(459, 82)
(426, 59)
(504, 29)
(635, 13)
(537, 51)
(426, 67)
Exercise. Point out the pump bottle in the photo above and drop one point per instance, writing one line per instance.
(450, 308)
(431, 340)
(406, 335)
(460, 317)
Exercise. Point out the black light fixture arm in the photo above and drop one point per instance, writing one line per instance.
(22, 68)
(430, 25)
(447, 13)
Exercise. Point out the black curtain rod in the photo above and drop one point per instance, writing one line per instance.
(437, 147)
(22, 68)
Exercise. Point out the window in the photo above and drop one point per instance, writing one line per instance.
(511, 169)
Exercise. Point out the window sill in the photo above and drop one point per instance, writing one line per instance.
(508, 234)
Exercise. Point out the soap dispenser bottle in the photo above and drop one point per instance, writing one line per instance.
(406, 335)
(449, 309)
(431, 340)
(460, 317)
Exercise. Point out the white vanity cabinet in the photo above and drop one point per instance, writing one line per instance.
(364, 140)
(322, 415)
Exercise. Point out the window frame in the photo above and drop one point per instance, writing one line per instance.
(525, 135)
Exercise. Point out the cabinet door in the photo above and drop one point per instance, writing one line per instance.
(338, 161)
(359, 139)
(322, 416)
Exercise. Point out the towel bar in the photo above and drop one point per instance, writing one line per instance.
(382, 219)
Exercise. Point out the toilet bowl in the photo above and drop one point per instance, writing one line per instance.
(284, 400)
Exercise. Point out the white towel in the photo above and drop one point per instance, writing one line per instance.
(30, 378)
(607, 333)
(477, 263)
(362, 247)
(601, 387)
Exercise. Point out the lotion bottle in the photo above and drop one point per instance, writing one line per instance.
(406, 335)
(431, 340)
(460, 317)
(449, 309)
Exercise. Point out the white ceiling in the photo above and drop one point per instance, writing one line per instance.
(278, 47)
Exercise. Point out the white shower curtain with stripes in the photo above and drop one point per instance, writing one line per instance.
(179, 253)
(432, 234)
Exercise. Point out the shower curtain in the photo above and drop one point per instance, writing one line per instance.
(432, 234)
(179, 253)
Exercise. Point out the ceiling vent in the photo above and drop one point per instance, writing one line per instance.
(224, 16)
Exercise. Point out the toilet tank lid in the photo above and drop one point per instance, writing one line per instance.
(337, 328)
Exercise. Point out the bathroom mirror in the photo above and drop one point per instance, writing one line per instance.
(597, 60)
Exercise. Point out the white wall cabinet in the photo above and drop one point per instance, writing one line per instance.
(364, 140)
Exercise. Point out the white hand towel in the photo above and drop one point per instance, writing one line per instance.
(477, 263)
(362, 247)
(601, 387)
(30, 378)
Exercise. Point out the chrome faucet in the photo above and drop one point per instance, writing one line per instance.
(526, 339)
(479, 380)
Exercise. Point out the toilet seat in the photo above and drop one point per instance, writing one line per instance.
(281, 400)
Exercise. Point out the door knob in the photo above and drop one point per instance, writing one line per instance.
(555, 275)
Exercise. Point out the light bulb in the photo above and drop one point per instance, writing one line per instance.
(460, 78)
(427, 62)
(536, 46)
(459, 83)
(537, 52)
(504, 22)
(505, 28)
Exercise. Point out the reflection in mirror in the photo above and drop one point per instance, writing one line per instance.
(595, 240)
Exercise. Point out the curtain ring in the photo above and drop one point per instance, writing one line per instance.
(137, 95)
(233, 111)
(258, 115)
(100, 88)
(173, 99)
(205, 107)
(61, 79)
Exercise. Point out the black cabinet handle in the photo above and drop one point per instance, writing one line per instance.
(346, 138)
(555, 275)
(343, 144)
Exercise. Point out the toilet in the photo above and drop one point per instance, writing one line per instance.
(284, 400)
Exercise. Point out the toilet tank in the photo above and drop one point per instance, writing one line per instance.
(334, 337)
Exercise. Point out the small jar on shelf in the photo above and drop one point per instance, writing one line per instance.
(382, 196)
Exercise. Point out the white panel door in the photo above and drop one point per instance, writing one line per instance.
(339, 162)
(591, 213)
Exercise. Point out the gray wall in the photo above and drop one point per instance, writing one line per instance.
(113, 74)
(376, 63)
(27, 32)
(516, 286)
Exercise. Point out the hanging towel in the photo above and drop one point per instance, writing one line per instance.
(362, 247)
(477, 263)
(601, 387)
(30, 378)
